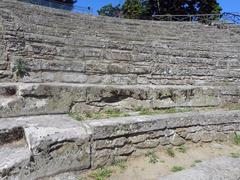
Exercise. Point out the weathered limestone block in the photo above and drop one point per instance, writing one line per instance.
(151, 143)
(176, 140)
(206, 137)
(125, 126)
(138, 139)
(105, 144)
(56, 148)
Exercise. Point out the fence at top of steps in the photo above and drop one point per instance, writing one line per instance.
(228, 18)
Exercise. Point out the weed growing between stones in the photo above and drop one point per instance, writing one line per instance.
(149, 111)
(182, 149)
(101, 174)
(20, 69)
(237, 139)
(170, 152)
(177, 168)
(153, 158)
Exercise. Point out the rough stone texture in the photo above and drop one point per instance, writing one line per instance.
(57, 143)
(220, 168)
(81, 63)
(35, 99)
(101, 50)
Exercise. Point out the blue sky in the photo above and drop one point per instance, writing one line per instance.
(227, 5)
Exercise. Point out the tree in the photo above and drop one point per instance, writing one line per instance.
(181, 7)
(145, 9)
(132, 9)
(111, 11)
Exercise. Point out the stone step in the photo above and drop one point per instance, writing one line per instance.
(13, 161)
(44, 98)
(51, 148)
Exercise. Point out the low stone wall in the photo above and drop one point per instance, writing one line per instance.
(57, 143)
(121, 137)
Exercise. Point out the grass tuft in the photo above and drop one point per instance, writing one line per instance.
(177, 168)
(153, 158)
(197, 161)
(170, 152)
(101, 174)
(235, 155)
(182, 149)
(121, 164)
(237, 139)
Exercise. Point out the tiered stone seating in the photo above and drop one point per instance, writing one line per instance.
(79, 63)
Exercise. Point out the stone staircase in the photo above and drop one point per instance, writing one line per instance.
(82, 63)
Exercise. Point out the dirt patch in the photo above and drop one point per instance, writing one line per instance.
(163, 162)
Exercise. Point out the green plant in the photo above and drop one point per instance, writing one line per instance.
(20, 69)
(170, 152)
(121, 164)
(237, 139)
(177, 168)
(153, 158)
(101, 174)
(115, 113)
(76, 116)
(197, 161)
(182, 149)
(145, 111)
(235, 155)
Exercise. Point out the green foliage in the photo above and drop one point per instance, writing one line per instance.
(237, 139)
(132, 9)
(170, 152)
(101, 174)
(144, 9)
(182, 149)
(110, 10)
(177, 168)
(197, 161)
(235, 155)
(121, 164)
(153, 158)
(20, 69)
(149, 111)
(184, 7)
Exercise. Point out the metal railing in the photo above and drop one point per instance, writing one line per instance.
(229, 18)
(58, 5)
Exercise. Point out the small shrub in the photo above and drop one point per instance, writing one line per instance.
(153, 158)
(177, 168)
(20, 69)
(182, 149)
(101, 174)
(237, 139)
(171, 152)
